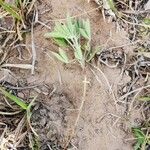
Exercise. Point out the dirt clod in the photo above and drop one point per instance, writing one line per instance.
(51, 121)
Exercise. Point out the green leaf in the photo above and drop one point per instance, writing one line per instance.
(147, 21)
(62, 56)
(69, 34)
(66, 32)
(145, 99)
(58, 56)
(112, 6)
(78, 54)
(137, 146)
(83, 33)
(14, 98)
(70, 25)
(10, 9)
(61, 42)
(84, 28)
(29, 114)
(54, 35)
(92, 54)
(17, 2)
(88, 28)
(138, 133)
(78, 25)
(140, 136)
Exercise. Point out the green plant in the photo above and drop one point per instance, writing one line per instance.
(62, 56)
(75, 34)
(12, 10)
(14, 98)
(112, 6)
(142, 139)
(145, 99)
(19, 11)
(22, 104)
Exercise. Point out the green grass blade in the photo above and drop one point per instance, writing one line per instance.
(140, 137)
(145, 99)
(29, 114)
(10, 9)
(137, 146)
(14, 98)
(112, 6)
(147, 21)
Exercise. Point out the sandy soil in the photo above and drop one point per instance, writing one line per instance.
(102, 125)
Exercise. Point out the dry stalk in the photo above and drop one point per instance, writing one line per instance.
(85, 82)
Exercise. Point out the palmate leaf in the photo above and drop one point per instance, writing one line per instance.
(68, 29)
(78, 25)
(61, 42)
(88, 28)
(57, 33)
(71, 28)
(59, 57)
(12, 10)
(78, 54)
(61, 31)
(69, 34)
(54, 35)
(70, 25)
(62, 56)
(83, 33)
(58, 38)
(85, 29)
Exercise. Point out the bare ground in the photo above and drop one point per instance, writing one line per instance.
(103, 124)
(95, 129)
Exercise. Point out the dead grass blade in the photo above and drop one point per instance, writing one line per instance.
(136, 90)
(85, 82)
(29, 115)
(31, 6)
(9, 113)
(21, 66)
(33, 50)
(108, 84)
